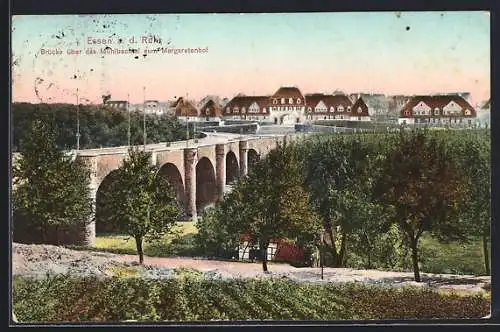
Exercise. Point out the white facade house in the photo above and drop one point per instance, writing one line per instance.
(287, 106)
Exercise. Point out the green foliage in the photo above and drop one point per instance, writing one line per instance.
(50, 189)
(100, 126)
(144, 204)
(422, 189)
(270, 204)
(188, 298)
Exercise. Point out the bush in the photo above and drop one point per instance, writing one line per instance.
(191, 297)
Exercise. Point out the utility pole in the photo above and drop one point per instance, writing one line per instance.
(128, 109)
(144, 115)
(187, 121)
(77, 121)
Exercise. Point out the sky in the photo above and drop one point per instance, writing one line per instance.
(254, 54)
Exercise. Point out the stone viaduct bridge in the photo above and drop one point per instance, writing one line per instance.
(200, 172)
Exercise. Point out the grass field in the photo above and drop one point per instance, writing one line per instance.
(436, 257)
(180, 243)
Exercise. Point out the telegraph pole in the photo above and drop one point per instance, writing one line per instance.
(77, 121)
(187, 122)
(128, 109)
(144, 115)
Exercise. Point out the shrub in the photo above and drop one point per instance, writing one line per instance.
(190, 297)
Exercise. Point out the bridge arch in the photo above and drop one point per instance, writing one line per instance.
(206, 186)
(232, 168)
(104, 217)
(174, 177)
(253, 158)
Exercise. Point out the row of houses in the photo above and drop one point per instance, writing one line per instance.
(289, 106)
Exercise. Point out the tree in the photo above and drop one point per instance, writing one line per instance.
(472, 151)
(50, 189)
(271, 203)
(339, 173)
(422, 189)
(144, 204)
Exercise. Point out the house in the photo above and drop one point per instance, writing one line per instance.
(210, 111)
(243, 107)
(185, 110)
(360, 111)
(484, 114)
(327, 107)
(437, 110)
(287, 106)
(278, 251)
(117, 104)
(378, 104)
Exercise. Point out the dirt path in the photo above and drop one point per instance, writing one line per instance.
(37, 260)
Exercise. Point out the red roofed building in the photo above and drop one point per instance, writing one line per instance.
(287, 106)
(360, 111)
(184, 109)
(247, 108)
(438, 109)
(328, 107)
(210, 111)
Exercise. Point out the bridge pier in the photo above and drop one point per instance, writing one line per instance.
(220, 167)
(243, 158)
(190, 159)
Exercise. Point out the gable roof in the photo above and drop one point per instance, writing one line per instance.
(241, 101)
(184, 108)
(312, 100)
(212, 107)
(360, 103)
(288, 92)
(437, 102)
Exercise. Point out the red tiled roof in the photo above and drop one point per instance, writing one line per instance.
(288, 92)
(184, 107)
(439, 102)
(312, 100)
(211, 109)
(246, 102)
(360, 103)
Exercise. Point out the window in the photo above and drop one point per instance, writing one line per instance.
(275, 101)
(360, 110)
(332, 109)
(282, 100)
(290, 100)
(436, 111)
(298, 101)
(340, 109)
(407, 113)
(264, 111)
(207, 111)
(467, 112)
(243, 110)
(348, 108)
(309, 109)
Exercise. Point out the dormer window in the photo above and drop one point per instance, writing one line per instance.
(243, 110)
(407, 113)
(275, 101)
(264, 110)
(290, 100)
(360, 110)
(236, 110)
(282, 101)
(298, 101)
(340, 109)
(436, 111)
(309, 109)
(332, 109)
(348, 108)
(467, 112)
